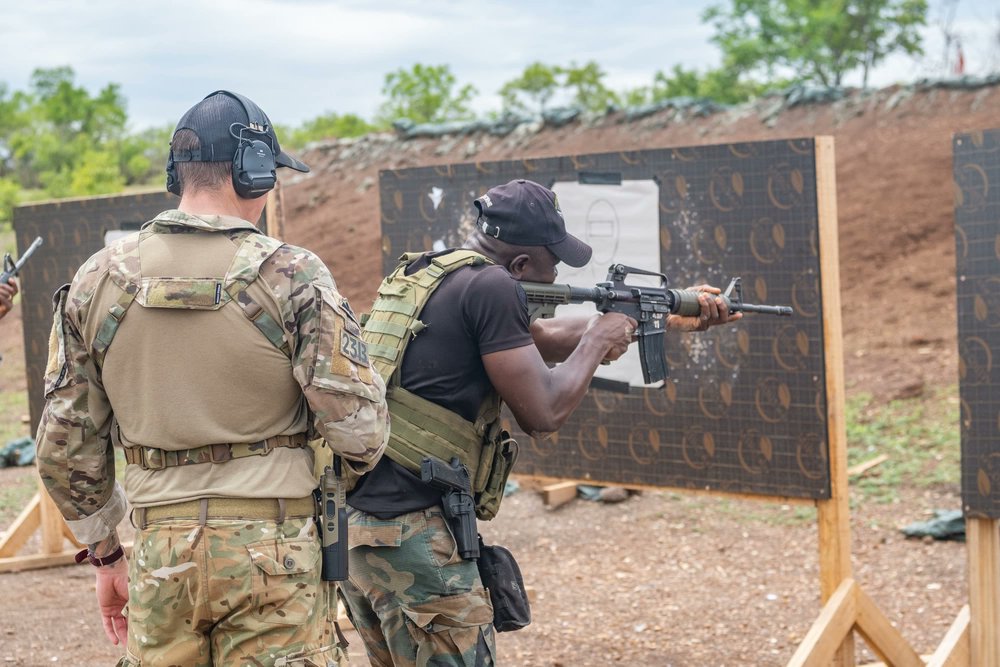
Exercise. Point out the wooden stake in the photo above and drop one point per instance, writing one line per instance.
(984, 591)
(834, 514)
(954, 648)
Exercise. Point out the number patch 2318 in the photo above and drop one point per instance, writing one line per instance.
(353, 348)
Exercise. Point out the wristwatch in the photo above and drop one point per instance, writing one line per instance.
(112, 557)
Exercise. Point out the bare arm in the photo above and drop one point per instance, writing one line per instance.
(557, 338)
(542, 398)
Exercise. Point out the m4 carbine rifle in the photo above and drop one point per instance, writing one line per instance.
(649, 306)
(12, 268)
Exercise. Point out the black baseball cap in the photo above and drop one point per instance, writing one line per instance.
(218, 121)
(523, 212)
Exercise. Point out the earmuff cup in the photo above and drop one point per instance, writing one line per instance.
(253, 169)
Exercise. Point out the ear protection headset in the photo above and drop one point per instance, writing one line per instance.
(253, 167)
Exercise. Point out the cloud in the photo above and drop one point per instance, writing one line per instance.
(301, 58)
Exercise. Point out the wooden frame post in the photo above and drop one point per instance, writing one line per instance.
(39, 516)
(830, 640)
(973, 639)
(983, 537)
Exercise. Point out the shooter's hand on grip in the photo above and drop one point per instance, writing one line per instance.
(614, 331)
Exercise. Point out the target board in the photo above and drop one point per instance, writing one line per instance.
(977, 263)
(744, 408)
(71, 230)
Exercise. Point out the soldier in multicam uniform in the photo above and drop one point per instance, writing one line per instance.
(211, 354)
(450, 334)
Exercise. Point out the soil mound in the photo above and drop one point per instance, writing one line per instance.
(895, 200)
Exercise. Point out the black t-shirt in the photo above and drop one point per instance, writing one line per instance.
(475, 310)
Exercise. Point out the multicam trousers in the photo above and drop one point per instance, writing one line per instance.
(412, 598)
(231, 592)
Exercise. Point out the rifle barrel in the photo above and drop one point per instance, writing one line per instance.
(767, 310)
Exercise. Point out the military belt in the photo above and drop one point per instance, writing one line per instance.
(154, 458)
(231, 508)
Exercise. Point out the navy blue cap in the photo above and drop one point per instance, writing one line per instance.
(523, 212)
(219, 119)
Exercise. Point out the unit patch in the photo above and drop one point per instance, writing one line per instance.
(353, 348)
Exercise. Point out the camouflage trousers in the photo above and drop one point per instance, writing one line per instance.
(231, 592)
(412, 598)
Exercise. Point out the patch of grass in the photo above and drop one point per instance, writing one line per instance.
(920, 436)
(15, 493)
(750, 511)
(13, 404)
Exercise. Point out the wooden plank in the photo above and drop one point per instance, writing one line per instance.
(271, 226)
(834, 514)
(39, 561)
(731, 495)
(556, 495)
(984, 591)
(36, 561)
(52, 523)
(825, 639)
(883, 639)
(954, 648)
(865, 466)
(21, 530)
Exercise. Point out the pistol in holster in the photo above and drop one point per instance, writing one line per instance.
(459, 507)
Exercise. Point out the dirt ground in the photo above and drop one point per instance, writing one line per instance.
(668, 578)
(661, 580)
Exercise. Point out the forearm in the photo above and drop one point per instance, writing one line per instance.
(557, 338)
(563, 388)
(354, 427)
(76, 463)
(107, 546)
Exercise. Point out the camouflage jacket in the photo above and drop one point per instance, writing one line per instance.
(345, 398)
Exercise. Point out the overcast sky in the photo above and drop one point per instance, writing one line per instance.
(301, 58)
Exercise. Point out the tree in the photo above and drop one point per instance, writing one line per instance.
(538, 82)
(723, 85)
(59, 128)
(587, 84)
(817, 41)
(57, 140)
(425, 94)
(327, 126)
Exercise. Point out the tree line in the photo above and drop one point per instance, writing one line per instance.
(59, 140)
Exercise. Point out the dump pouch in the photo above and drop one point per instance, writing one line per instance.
(502, 578)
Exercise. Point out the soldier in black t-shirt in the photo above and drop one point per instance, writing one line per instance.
(411, 596)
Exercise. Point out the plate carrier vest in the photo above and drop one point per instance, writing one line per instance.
(192, 294)
(422, 428)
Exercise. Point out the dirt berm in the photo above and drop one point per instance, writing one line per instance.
(895, 197)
